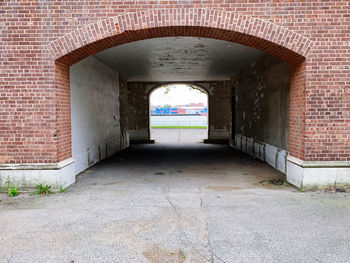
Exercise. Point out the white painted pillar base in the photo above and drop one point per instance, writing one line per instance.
(29, 175)
(274, 156)
(312, 175)
(302, 174)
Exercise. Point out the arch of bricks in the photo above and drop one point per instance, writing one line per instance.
(195, 22)
(260, 34)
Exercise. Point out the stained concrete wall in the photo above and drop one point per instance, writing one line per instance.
(262, 102)
(219, 93)
(95, 112)
(220, 97)
(124, 115)
(261, 122)
(138, 110)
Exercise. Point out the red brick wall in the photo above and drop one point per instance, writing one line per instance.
(297, 111)
(63, 109)
(35, 129)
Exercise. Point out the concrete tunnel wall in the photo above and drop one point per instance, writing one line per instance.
(96, 99)
(261, 92)
(219, 93)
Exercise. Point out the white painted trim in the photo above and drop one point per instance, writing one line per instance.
(295, 161)
(274, 156)
(37, 166)
(302, 174)
(309, 174)
(318, 163)
(29, 175)
(59, 174)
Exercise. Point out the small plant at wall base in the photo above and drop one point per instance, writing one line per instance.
(43, 190)
(11, 189)
(62, 189)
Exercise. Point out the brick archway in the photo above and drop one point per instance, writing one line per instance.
(260, 34)
(253, 32)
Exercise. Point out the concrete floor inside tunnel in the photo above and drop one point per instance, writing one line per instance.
(217, 166)
(176, 203)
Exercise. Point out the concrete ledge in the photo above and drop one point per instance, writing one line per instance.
(28, 175)
(316, 164)
(37, 166)
(314, 175)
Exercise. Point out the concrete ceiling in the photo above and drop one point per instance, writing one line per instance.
(179, 59)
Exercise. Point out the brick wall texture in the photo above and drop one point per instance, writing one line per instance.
(40, 39)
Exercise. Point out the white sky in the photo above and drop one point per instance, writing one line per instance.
(178, 95)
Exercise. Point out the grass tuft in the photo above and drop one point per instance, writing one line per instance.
(43, 190)
(11, 189)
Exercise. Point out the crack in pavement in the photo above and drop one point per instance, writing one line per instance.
(179, 221)
(208, 231)
(207, 226)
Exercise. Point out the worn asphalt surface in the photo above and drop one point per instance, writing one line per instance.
(170, 203)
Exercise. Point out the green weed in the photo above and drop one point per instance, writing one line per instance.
(11, 189)
(62, 190)
(43, 190)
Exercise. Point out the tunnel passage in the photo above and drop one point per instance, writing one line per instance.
(248, 93)
(178, 113)
(117, 32)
